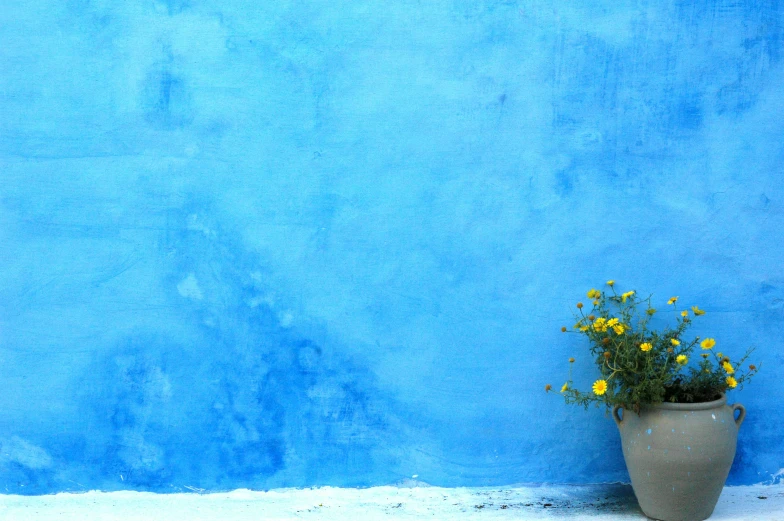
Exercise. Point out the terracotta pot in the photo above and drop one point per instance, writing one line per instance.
(679, 456)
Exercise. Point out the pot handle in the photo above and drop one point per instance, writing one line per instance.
(617, 418)
(741, 416)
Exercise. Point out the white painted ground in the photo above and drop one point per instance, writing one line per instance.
(605, 502)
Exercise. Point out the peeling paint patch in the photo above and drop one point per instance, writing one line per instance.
(189, 288)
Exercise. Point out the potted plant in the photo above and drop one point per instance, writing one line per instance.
(667, 394)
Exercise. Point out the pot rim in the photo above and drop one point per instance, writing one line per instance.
(699, 406)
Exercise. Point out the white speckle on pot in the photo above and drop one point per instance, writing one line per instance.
(713, 416)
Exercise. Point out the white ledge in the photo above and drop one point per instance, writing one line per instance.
(611, 502)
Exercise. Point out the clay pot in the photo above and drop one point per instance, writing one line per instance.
(679, 456)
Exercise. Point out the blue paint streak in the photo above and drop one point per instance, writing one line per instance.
(268, 245)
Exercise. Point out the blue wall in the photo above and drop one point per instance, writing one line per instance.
(266, 244)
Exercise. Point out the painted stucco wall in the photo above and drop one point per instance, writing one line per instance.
(268, 244)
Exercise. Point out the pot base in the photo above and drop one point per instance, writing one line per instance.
(679, 456)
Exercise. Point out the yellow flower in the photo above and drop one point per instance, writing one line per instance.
(626, 295)
(599, 387)
(600, 324)
(675, 341)
(697, 311)
(594, 293)
(584, 329)
(565, 387)
(731, 382)
(595, 302)
(708, 343)
(684, 313)
(720, 354)
(612, 322)
(610, 282)
(650, 311)
(646, 346)
(682, 359)
(728, 367)
(619, 329)
(672, 301)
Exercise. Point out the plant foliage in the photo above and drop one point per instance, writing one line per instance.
(640, 365)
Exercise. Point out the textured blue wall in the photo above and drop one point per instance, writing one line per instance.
(264, 244)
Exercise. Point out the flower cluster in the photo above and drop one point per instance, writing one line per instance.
(640, 365)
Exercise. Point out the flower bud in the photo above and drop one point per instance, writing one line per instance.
(579, 305)
(563, 329)
(571, 360)
(607, 355)
(753, 367)
(591, 318)
(547, 387)
(670, 350)
(605, 340)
